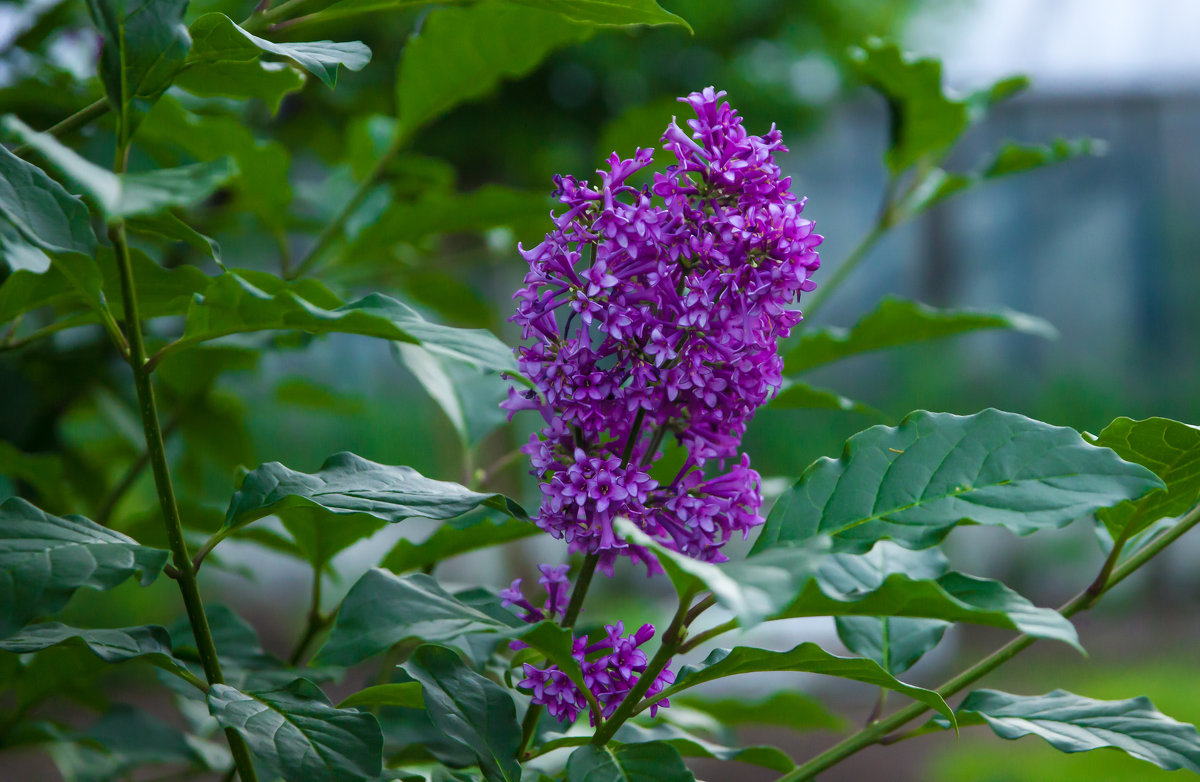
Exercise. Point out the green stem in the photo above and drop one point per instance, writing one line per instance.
(74, 122)
(877, 731)
(315, 624)
(333, 230)
(843, 271)
(709, 634)
(186, 576)
(261, 20)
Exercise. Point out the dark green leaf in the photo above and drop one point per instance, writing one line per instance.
(321, 537)
(112, 645)
(454, 537)
(461, 54)
(299, 734)
(786, 709)
(807, 657)
(469, 397)
(798, 394)
(71, 283)
(925, 122)
(895, 642)
(42, 471)
(901, 322)
(471, 708)
(348, 485)
(145, 45)
(653, 762)
(1073, 723)
(1172, 451)
(602, 12)
(245, 301)
(126, 195)
(382, 609)
(691, 746)
(44, 559)
(41, 211)
(243, 660)
(914, 483)
(18, 253)
(270, 82)
(790, 582)
(218, 39)
(405, 694)
(168, 226)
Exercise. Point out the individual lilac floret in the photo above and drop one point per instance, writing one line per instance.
(554, 580)
(655, 312)
(611, 667)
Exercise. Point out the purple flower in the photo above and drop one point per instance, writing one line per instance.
(611, 667)
(652, 314)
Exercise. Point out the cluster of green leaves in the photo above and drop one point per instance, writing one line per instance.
(856, 538)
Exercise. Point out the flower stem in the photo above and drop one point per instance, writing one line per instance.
(186, 576)
(877, 731)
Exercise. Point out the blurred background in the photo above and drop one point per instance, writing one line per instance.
(1105, 248)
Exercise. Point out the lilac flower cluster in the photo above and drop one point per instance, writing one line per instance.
(611, 666)
(668, 327)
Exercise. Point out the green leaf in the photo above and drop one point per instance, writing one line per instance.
(691, 746)
(1015, 158)
(925, 122)
(321, 537)
(348, 485)
(41, 211)
(145, 45)
(1169, 448)
(44, 559)
(18, 253)
(1073, 723)
(470, 708)
(243, 661)
(270, 82)
(915, 482)
(218, 39)
(404, 694)
(898, 322)
(114, 645)
(786, 709)
(788, 582)
(653, 762)
(461, 54)
(383, 609)
(797, 394)
(469, 397)
(808, 658)
(71, 282)
(299, 734)
(895, 642)
(168, 226)
(125, 195)
(244, 301)
(454, 537)
(42, 471)
(622, 13)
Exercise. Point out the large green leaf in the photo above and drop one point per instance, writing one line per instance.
(901, 322)
(17, 252)
(125, 195)
(245, 301)
(71, 283)
(1169, 448)
(44, 559)
(808, 658)
(382, 609)
(692, 746)
(404, 694)
(470, 708)
(42, 471)
(350, 486)
(1073, 723)
(925, 123)
(454, 537)
(786, 708)
(914, 483)
(469, 397)
(790, 582)
(895, 642)
(217, 38)
(297, 733)
(145, 45)
(244, 662)
(461, 54)
(653, 762)
(796, 394)
(270, 82)
(602, 12)
(112, 645)
(41, 211)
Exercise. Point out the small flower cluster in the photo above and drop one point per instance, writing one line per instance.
(611, 666)
(669, 327)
